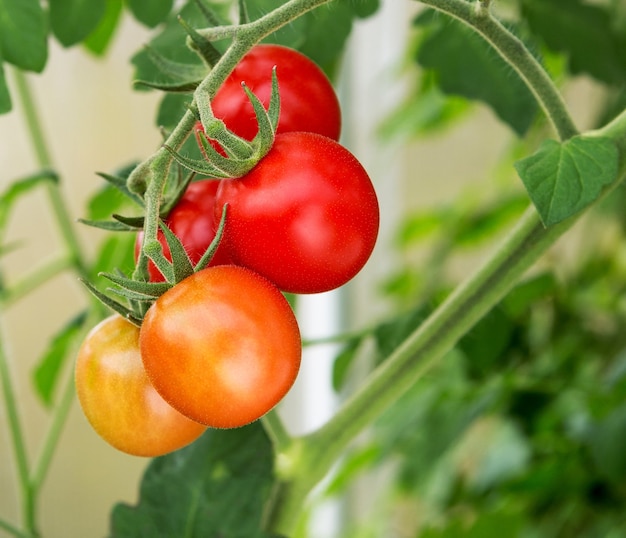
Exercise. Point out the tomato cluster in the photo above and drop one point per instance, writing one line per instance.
(222, 347)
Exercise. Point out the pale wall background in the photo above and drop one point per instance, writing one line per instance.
(95, 122)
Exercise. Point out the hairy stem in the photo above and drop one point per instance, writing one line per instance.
(479, 18)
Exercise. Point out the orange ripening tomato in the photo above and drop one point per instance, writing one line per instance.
(222, 346)
(118, 399)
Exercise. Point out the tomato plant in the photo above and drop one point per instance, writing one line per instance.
(490, 398)
(308, 99)
(222, 346)
(306, 217)
(191, 220)
(118, 399)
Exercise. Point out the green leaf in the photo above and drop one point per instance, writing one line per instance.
(217, 486)
(562, 179)
(5, 96)
(485, 345)
(586, 33)
(179, 71)
(607, 444)
(47, 372)
(150, 13)
(390, 334)
(172, 108)
(520, 298)
(100, 38)
(170, 44)
(73, 20)
(484, 223)
(466, 65)
(23, 34)
(343, 361)
(426, 111)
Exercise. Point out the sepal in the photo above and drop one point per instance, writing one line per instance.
(114, 305)
(109, 225)
(200, 45)
(241, 154)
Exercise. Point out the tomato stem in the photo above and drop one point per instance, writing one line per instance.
(17, 437)
(478, 17)
(275, 429)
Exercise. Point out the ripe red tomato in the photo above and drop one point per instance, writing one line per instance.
(118, 399)
(222, 346)
(191, 220)
(306, 216)
(307, 98)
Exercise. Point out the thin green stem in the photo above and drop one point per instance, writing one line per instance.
(36, 278)
(275, 429)
(478, 17)
(17, 434)
(51, 441)
(44, 160)
(13, 531)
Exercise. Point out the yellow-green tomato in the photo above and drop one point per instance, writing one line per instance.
(118, 399)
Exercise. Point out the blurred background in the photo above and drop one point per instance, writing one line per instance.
(95, 121)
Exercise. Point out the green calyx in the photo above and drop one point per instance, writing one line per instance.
(136, 296)
(237, 156)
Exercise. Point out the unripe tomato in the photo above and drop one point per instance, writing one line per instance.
(307, 98)
(191, 220)
(305, 217)
(222, 346)
(118, 399)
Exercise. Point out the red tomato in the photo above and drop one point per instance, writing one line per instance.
(191, 220)
(307, 98)
(222, 346)
(306, 217)
(118, 399)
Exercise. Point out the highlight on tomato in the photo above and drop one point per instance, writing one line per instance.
(222, 346)
(117, 398)
(306, 217)
(191, 220)
(308, 101)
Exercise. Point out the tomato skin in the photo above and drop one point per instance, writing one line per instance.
(191, 220)
(308, 100)
(222, 346)
(306, 217)
(118, 399)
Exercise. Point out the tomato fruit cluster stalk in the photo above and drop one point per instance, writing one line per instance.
(219, 345)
